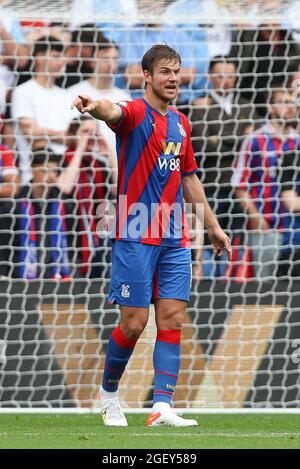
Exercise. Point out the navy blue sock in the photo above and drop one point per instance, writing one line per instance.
(119, 351)
(166, 361)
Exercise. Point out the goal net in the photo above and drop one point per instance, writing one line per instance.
(241, 340)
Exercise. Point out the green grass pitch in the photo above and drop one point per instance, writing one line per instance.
(86, 431)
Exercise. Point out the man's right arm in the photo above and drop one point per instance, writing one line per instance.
(101, 109)
(31, 130)
(256, 220)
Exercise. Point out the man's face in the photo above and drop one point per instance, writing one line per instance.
(284, 107)
(223, 77)
(106, 63)
(53, 63)
(165, 80)
(89, 129)
(45, 175)
(271, 6)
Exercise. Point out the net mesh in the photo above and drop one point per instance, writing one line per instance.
(146, 11)
(240, 343)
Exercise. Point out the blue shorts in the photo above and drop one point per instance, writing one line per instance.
(143, 272)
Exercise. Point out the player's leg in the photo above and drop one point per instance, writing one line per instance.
(120, 347)
(131, 288)
(171, 293)
(166, 354)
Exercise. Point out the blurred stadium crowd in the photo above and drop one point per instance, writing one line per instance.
(240, 90)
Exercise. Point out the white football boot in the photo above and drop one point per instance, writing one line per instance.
(112, 413)
(168, 418)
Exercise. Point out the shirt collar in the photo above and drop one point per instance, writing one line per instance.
(225, 102)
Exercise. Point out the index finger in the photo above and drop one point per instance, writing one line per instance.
(73, 103)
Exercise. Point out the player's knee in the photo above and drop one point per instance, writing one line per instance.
(175, 320)
(133, 329)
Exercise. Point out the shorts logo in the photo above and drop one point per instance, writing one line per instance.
(125, 291)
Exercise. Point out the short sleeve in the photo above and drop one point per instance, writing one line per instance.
(132, 114)
(189, 165)
(8, 163)
(242, 172)
(21, 104)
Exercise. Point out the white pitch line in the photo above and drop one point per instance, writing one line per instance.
(226, 435)
(150, 433)
(20, 433)
(191, 410)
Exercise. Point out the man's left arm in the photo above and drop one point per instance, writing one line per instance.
(288, 178)
(193, 193)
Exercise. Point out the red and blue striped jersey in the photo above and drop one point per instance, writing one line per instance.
(257, 171)
(154, 154)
